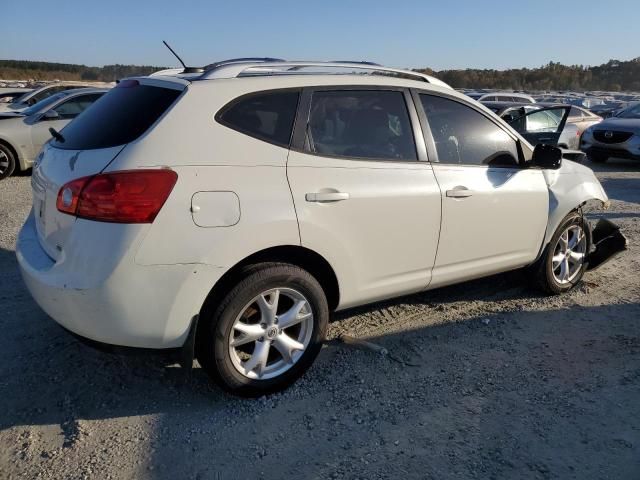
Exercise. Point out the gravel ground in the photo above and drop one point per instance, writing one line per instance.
(487, 380)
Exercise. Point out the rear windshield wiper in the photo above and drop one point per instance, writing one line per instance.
(56, 134)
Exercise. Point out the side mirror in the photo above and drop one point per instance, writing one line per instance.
(50, 115)
(546, 156)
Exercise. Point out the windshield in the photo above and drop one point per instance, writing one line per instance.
(631, 112)
(35, 108)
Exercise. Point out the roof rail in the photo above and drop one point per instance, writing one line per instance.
(242, 60)
(242, 68)
(167, 72)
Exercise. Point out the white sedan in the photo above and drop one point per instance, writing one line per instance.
(23, 134)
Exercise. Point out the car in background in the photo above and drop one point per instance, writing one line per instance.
(506, 97)
(8, 94)
(617, 136)
(22, 134)
(580, 117)
(538, 123)
(31, 98)
(609, 109)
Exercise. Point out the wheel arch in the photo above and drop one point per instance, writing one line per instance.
(302, 257)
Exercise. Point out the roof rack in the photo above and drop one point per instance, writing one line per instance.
(269, 66)
(242, 60)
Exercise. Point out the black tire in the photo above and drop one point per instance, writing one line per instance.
(542, 270)
(598, 157)
(7, 161)
(214, 334)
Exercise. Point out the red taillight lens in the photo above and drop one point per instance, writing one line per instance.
(133, 196)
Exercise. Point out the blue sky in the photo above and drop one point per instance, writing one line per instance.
(444, 34)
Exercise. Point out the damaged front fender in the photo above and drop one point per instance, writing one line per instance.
(570, 187)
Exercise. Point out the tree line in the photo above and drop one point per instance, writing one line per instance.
(29, 70)
(615, 75)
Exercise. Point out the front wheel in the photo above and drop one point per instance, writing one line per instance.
(7, 161)
(266, 331)
(564, 260)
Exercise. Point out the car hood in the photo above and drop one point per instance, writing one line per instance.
(620, 124)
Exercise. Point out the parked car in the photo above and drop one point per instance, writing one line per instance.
(617, 136)
(8, 94)
(539, 124)
(32, 97)
(609, 109)
(582, 118)
(22, 134)
(228, 212)
(506, 97)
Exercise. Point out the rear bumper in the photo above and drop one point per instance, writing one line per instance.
(124, 304)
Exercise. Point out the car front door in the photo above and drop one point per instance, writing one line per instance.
(58, 116)
(542, 126)
(365, 196)
(494, 211)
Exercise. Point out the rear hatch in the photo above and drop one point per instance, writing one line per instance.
(91, 142)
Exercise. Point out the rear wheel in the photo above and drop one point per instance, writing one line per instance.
(266, 331)
(564, 260)
(7, 161)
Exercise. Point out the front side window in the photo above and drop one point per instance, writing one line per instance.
(360, 124)
(76, 105)
(268, 116)
(465, 136)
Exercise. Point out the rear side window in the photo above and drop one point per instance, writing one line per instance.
(464, 136)
(119, 117)
(360, 124)
(268, 116)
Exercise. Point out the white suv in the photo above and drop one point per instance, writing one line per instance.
(230, 211)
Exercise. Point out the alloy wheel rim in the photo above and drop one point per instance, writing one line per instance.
(271, 333)
(569, 254)
(4, 162)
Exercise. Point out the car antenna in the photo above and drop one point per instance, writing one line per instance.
(186, 69)
(56, 134)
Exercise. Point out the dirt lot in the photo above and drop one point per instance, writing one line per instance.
(497, 382)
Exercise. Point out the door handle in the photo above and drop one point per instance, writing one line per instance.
(326, 197)
(459, 192)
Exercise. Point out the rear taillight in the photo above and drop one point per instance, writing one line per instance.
(131, 196)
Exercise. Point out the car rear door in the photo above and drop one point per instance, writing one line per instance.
(542, 126)
(494, 211)
(365, 197)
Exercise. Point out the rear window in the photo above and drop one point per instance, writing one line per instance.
(268, 116)
(119, 117)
